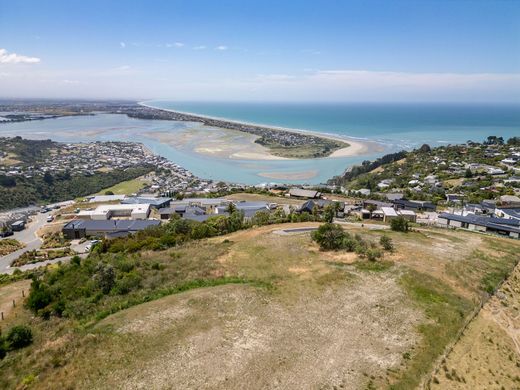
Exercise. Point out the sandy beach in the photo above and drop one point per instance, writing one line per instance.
(236, 145)
(246, 148)
(303, 175)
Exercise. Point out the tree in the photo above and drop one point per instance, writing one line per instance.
(18, 337)
(386, 243)
(231, 208)
(105, 276)
(373, 254)
(260, 218)
(47, 178)
(425, 148)
(330, 236)
(399, 224)
(468, 174)
(329, 213)
(39, 297)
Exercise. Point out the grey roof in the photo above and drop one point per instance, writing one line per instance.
(196, 217)
(304, 193)
(513, 213)
(510, 225)
(111, 225)
(151, 201)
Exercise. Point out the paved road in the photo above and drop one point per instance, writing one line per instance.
(370, 226)
(27, 267)
(28, 237)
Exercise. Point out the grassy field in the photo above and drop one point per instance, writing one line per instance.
(128, 187)
(256, 309)
(264, 198)
(324, 149)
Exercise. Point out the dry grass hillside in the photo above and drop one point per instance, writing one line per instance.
(306, 319)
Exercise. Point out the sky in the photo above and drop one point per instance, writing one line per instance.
(345, 51)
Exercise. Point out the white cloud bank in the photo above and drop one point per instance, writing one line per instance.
(181, 83)
(364, 85)
(13, 58)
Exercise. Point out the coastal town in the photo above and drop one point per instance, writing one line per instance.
(473, 187)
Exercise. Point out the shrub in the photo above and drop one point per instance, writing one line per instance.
(3, 349)
(39, 297)
(399, 224)
(330, 236)
(386, 243)
(18, 337)
(373, 254)
(76, 260)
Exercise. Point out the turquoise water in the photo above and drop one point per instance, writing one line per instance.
(114, 127)
(396, 126)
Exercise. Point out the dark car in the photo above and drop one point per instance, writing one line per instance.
(7, 233)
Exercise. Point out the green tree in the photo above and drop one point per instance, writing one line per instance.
(399, 224)
(330, 236)
(386, 243)
(18, 337)
(39, 297)
(329, 213)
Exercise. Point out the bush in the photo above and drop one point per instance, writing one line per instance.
(18, 337)
(386, 243)
(399, 224)
(3, 349)
(330, 236)
(39, 297)
(373, 254)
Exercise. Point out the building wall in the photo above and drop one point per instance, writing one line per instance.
(455, 223)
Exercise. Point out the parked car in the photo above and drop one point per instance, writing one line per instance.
(6, 233)
(92, 243)
(50, 218)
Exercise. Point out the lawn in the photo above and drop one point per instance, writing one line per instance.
(128, 187)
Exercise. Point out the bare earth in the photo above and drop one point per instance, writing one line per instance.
(235, 337)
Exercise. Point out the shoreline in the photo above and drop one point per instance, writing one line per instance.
(355, 147)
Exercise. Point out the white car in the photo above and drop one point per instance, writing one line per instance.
(91, 244)
(50, 218)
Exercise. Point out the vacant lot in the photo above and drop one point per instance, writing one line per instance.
(128, 187)
(305, 319)
(265, 198)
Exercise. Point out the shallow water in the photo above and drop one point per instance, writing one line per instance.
(396, 126)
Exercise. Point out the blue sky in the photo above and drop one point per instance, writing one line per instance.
(368, 50)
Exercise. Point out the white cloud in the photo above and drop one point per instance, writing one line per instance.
(123, 67)
(13, 58)
(122, 44)
(201, 47)
(221, 48)
(176, 44)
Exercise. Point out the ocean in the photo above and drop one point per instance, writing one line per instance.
(395, 126)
